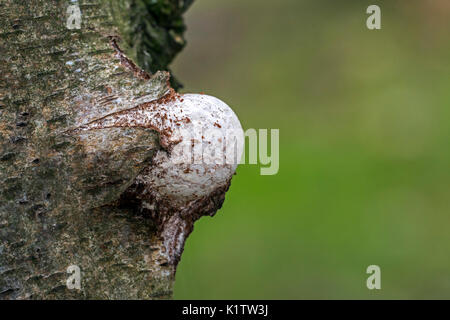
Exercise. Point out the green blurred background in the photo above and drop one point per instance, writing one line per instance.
(364, 175)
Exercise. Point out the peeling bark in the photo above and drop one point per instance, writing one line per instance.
(68, 192)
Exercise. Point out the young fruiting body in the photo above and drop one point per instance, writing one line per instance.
(202, 143)
(190, 179)
(207, 145)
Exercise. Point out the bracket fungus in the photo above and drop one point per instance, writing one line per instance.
(202, 144)
(190, 179)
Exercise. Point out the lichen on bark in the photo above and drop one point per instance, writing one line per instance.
(60, 192)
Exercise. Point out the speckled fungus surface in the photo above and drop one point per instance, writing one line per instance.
(209, 146)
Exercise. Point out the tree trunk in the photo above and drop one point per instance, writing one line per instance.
(65, 193)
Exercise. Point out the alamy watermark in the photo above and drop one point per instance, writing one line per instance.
(374, 20)
(228, 147)
(73, 16)
(73, 21)
(74, 280)
(374, 280)
(258, 150)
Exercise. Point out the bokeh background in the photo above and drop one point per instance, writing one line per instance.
(364, 119)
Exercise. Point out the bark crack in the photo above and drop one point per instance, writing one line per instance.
(127, 62)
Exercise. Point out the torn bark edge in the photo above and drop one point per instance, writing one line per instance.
(178, 228)
(171, 95)
(164, 129)
(127, 62)
(174, 225)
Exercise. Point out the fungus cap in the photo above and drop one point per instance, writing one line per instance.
(207, 147)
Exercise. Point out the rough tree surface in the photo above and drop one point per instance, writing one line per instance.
(66, 195)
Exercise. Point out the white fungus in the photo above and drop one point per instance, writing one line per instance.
(202, 143)
(209, 144)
